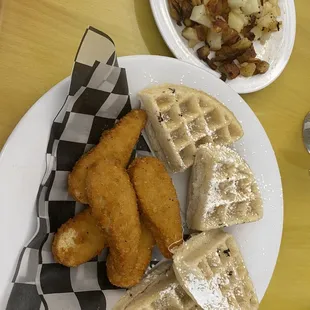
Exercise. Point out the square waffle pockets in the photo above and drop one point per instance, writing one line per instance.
(222, 190)
(210, 268)
(158, 290)
(180, 119)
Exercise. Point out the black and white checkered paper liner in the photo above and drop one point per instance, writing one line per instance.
(98, 97)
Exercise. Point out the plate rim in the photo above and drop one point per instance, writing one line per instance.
(128, 58)
(166, 35)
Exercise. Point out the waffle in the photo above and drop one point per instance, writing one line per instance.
(222, 191)
(211, 270)
(159, 290)
(181, 119)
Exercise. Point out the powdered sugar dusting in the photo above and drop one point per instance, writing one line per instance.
(210, 268)
(207, 293)
(228, 195)
(182, 119)
(170, 290)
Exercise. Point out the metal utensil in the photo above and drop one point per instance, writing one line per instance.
(306, 132)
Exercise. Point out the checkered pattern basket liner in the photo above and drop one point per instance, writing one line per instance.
(98, 97)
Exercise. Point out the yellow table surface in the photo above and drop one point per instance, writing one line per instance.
(39, 38)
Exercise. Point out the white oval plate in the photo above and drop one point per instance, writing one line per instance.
(276, 51)
(22, 164)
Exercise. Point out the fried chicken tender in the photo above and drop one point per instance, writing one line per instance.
(78, 240)
(115, 144)
(133, 277)
(158, 202)
(113, 203)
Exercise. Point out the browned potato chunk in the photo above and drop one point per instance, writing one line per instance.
(175, 11)
(234, 51)
(190, 33)
(214, 39)
(186, 8)
(180, 10)
(227, 53)
(202, 32)
(247, 69)
(246, 31)
(218, 8)
(192, 43)
(231, 70)
(248, 54)
(229, 36)
(262, 67)
(242, 44)
(188, 22)
(254, 60)
(196, 2)
(219, 24)
(211, 64)
(203, 52)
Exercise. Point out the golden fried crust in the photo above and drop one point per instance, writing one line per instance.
(78, 240)
(113, 203)
(144, 257)
(115, 144)
(158, 202)
(159, 241)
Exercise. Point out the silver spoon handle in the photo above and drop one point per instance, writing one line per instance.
(306, 132)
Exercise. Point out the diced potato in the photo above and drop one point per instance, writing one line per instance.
(188, 23)
(242, 44)
(234, 4)
(236, 20)
(257, 32)
(262, 67)
(196, 2)
(268, 21)
(175, 12)
(186, 8)
(228, 27)
(247, 55)
(274, 2)
(193, 43)
(230, 70)
(230, 36)
(247, 69)
(190, 33)
(180, 10)
(203, 52)
(254, 61)
(251, 7)
(276, 11)
(214, 40)
(266, 8)
(200, 16)
(211, 63)
(265, 37)
(219, 24)
(226, 53)
(202, 32)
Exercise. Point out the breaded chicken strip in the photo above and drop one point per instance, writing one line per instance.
(133, 277)
(78, 240)
(158, 202)
(115, 144)
(113, 203)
